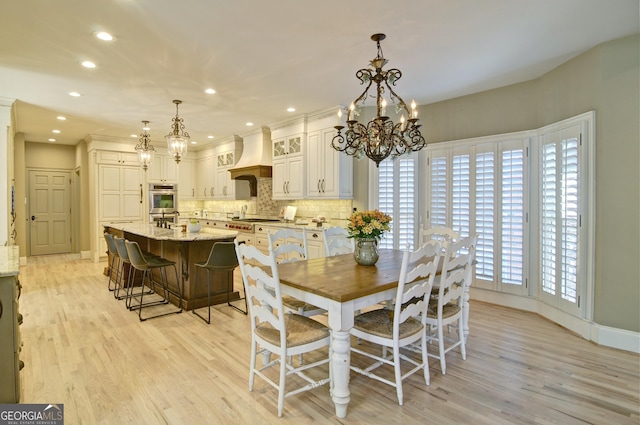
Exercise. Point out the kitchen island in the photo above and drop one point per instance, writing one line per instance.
(186, 249)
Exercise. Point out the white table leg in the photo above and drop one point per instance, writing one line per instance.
(340, 364)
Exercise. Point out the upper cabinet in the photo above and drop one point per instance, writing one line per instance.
(226, 187)
(163, 169)
(329, 172)
(288, 141)
(187, 179)
(205, 177)
(117, 158)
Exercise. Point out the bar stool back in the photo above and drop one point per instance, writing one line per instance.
(146, 266)
(222, 257)
(115, 265)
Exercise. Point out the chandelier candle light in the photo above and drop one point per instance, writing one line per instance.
(380, 137)
(145, 149)
(177, 139)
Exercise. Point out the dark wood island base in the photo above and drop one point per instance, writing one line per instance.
(186, 249)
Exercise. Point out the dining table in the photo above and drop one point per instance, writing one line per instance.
(342, 287)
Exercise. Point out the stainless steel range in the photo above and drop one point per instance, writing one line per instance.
(247, 225)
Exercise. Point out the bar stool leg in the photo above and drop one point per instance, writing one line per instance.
(245, 311)
(195, 287)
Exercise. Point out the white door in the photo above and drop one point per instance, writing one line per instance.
(50, 212)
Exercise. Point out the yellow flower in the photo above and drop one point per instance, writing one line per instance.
(368, 224)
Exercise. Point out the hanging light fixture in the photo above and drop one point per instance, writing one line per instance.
(145, 149)
(380, 137)
(177, 139)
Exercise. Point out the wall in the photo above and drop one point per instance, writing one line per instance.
(604, 79)
(43, 155)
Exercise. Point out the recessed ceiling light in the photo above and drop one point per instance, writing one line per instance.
(52, 140)
(193, 142)
(249, 124)
(210, 91)
(104, 36)
(133, 135)
(88, 64)
(291, 109)
(61, 118)
(209, 137)
(74, 94)
(56, 131)
(146, 128)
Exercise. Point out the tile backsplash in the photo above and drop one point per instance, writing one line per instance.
(335, 211)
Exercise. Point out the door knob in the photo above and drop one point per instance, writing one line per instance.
(33, 217)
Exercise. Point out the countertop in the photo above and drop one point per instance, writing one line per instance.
(310, 226)
(162, 234)
(9, 260)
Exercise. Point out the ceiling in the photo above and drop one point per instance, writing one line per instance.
(262, 57)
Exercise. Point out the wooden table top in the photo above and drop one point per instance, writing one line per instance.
(340, 278)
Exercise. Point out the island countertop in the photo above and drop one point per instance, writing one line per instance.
(176, 235)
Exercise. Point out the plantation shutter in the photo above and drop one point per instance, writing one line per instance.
(485, 172)
(512, 211)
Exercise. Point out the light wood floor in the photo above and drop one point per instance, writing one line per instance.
(82, 348)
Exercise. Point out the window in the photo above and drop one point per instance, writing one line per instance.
(397, 196)
(484, 186)
(478, 188)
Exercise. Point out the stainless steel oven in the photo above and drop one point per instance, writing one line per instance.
(163, 199)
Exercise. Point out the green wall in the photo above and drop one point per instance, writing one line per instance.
(604, 79)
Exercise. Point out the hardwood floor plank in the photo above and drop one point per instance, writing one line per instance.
(81, 347)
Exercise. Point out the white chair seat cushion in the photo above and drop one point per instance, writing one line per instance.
(300, 330)
(380, 323)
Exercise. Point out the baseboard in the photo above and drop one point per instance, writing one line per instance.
(85, 255)
(616, 338)
(23, 261)
(603, 335)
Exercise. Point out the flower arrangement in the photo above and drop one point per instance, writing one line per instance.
(368, 224)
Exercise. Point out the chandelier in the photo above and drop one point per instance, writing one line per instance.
(177, 139)
(381, 137)
(145, 149)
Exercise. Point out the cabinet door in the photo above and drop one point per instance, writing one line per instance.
(279, 178)
(170, 169)
(187, 179)
(295, 179)
(205, 176)
(132, 193)
(315, 167)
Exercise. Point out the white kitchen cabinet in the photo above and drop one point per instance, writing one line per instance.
(205, 177)
(226, 187)
(329, 172)
(315, 243)
(120, 193)
(288, 167)
(187, 179)
(163, 169)
(117, 158)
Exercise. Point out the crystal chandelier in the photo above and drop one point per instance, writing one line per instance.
(177, 139)
(145, 149)
(380, 137)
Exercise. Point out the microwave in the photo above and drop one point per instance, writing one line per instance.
(163, 199)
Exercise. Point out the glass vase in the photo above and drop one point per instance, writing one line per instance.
(366, 252)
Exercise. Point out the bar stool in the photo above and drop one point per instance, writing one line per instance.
(124, 258)
(222, 258)
(115, 266)
(146, 266)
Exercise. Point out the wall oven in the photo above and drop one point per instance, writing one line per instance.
(163, 204)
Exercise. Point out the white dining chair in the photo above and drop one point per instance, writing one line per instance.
(291, 245)
(440, 233)
(447, 309)
(337, 241)
(403, 325)
(275, 332)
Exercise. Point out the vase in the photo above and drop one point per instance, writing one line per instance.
(366, 252)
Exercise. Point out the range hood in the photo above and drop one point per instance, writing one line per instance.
(255, 161)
